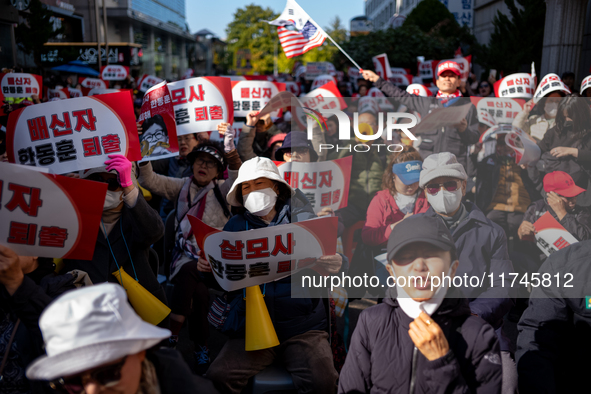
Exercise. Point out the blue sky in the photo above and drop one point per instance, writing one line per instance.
(216, 14)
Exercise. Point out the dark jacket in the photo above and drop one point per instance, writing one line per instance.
(383, 359)
(482, 251)
(487, 182)
(577, 222)
(553, 342)
(141, 228)
(443, 139)
(290, 316)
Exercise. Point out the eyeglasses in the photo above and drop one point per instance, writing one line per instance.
(113, 183)
(208, 163)
(433, 188)
(157, 136)
(297, 151)
(107, 376)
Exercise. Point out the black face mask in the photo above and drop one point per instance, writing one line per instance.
(568, 125)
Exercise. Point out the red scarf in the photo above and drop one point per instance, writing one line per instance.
(446, 98)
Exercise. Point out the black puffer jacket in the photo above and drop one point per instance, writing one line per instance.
(383, 359)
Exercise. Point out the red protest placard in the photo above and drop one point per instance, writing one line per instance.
(20, 85)
(551, 235)
(75, 134)
(88, 84)
(158, 139)
(201, 104)
(503, 110)
(325, 97)
(147, 81)
(49, 215)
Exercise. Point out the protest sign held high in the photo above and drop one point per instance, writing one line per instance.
(254, 95)
(20, 85)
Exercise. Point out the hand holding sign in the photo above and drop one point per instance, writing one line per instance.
(120, 164)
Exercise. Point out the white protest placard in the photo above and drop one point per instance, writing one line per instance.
(322, 80)
(147, 81)
(57, 94)
(526, 149)
(442, 117)
(90, 83)
(515, 86)
(551, 236)
(426, 68)
(383, 103)
(75, 134)
(49, 215)
(201, 104)
(325, 184)
(293, 87)
(315, 69)
(381, 66)
(254, 95)
(325, 97)
(502, 109)
(75, 93)
(253, 257)
(114, 73)
(20, 85)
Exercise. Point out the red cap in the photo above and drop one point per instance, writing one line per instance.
(276, 138)
(449, 65)
(561, 183)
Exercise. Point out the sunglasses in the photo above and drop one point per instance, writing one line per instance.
(113, 183)
(107, 376)
(433, 188)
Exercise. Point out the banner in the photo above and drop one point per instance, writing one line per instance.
(463, 62)
(315, 69)
(201, 104)
(158, 139)
(551, 236)
(254, 95)
(503, 110)
(426, 69)
(381, 66)
(526, 149)
(253, 257)
(147, 81)
(20, 85)
(442, 117)
(325, 97)
(57, 94)
(75, 134)
(49, 215)
(322, 80)
(114, 73)
(325, 184)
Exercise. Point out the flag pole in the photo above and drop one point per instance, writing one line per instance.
(344, 53)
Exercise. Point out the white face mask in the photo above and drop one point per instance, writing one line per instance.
(551, 109)
(112, 200)
(260, 202)
(414, 308)
(406, 204)
(445, 202)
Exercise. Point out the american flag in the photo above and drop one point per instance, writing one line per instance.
(297, 42)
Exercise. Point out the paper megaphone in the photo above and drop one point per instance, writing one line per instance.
(260, 333)
(145, 304)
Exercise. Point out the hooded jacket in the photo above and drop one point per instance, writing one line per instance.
(577, 222)
(382, 357)
(553, 343)
(482, 251)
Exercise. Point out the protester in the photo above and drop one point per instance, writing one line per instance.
(96, 343)
(422, 339)
(454, 139)
(300, 323)
(297, 148)
(554, 329)
(201, 195)
(399, 198)
(485, 90)
(128, 228)
(568, 77)
(503, 189)
(275, 142)
(255, 135)
(482, 249)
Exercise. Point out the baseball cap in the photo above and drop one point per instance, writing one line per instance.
(561, 183)
(409, 172)
(420, 228)
(449, 66)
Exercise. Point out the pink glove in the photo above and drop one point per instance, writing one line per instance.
(120, 164)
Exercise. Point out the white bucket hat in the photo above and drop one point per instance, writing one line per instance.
(257, 167)
(89, 327)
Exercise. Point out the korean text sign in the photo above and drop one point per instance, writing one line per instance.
(253, 95)
(21, 85)
(201, 104)
(503, 110)
(49, 215)
(249, 258)
(325, 97)
(551, 236)
(74, 134)
(158, 139)
(325, 184)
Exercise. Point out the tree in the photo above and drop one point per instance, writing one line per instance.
(517, 41)
(35, 30)
(427, 14)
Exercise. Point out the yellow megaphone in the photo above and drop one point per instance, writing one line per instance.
(260, 333)
(146, 305)
(364, 129)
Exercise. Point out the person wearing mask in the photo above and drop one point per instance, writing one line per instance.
(96, 343)
(422, 339)
(300, 322)
(454, 139)
(201, 195)
(567, 147)
(482, 249)
(539, 114)
(503, 189)
(127, 230)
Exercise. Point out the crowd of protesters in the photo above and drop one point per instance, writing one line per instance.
(450, 203)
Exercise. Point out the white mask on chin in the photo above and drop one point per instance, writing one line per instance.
(260, 202)
(414, 308)
(551, 109)
(445, 202)
(112, 200)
